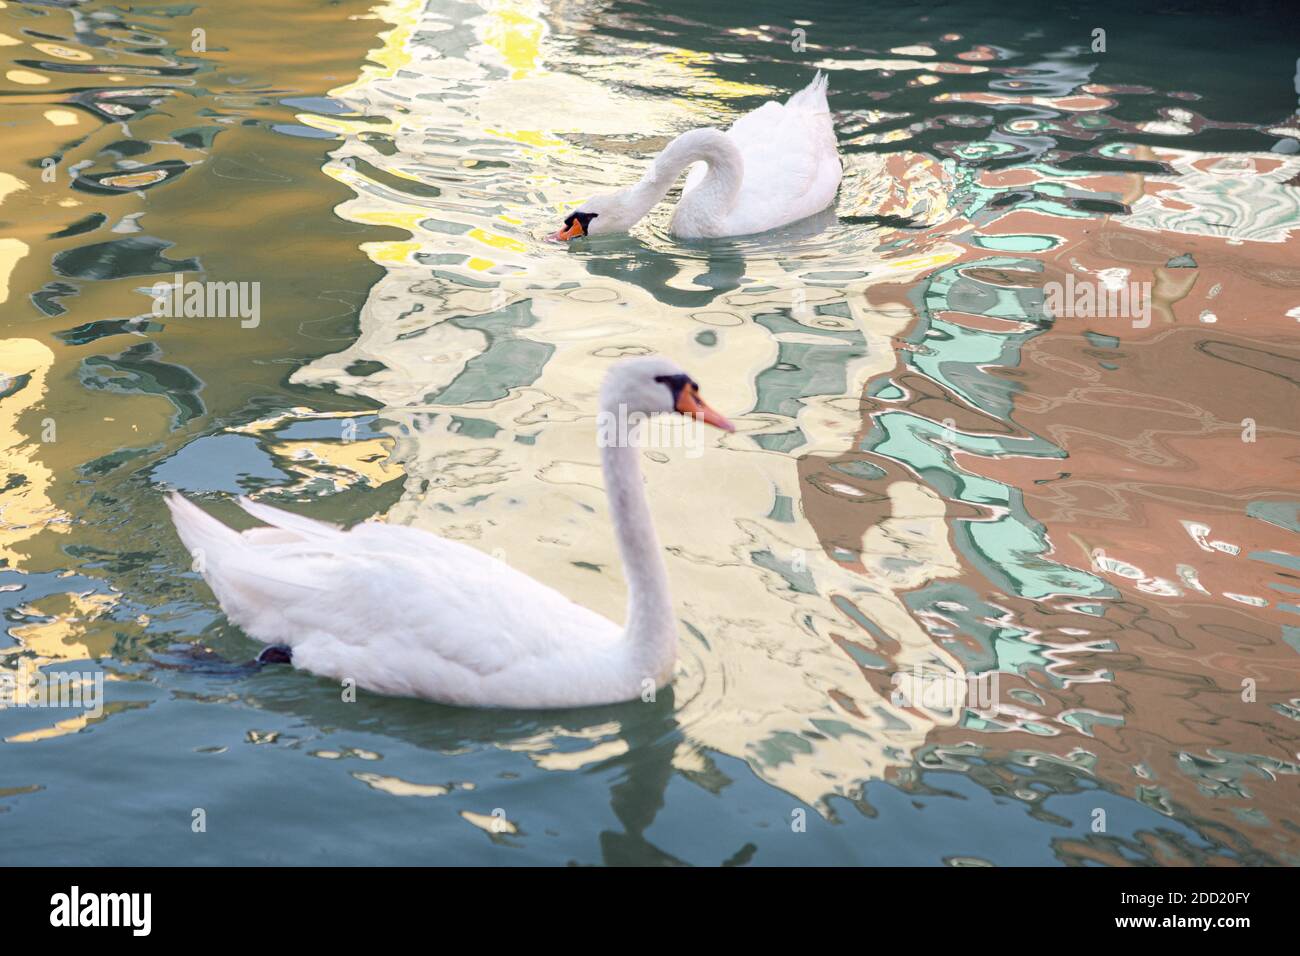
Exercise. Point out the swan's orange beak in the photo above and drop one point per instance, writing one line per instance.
(572, 231)
(690, 403)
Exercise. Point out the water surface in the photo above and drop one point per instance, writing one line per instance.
(935, 477)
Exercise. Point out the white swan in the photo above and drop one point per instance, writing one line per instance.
(775, 166)
(404, 612)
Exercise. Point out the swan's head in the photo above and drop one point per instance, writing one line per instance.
(610, 212)
(654, 385)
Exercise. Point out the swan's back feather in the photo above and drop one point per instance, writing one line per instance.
(792, 163)
(402, 611)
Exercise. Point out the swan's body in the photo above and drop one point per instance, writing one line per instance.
(407, 613)
(774, 166)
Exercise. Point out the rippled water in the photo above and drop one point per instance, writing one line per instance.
(937, 480)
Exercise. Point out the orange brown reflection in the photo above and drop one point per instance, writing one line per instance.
(1176, 686)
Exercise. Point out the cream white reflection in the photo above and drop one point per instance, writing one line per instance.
(473, 276)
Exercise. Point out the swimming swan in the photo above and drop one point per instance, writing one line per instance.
(404, 612)
(775, 166)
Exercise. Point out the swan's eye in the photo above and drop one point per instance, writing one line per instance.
(675, 383)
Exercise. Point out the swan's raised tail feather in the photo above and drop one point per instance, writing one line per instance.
(252, 583)
(297, 524)
(199, 531)
(813, 96)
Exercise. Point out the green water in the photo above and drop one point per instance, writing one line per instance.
(421, 354)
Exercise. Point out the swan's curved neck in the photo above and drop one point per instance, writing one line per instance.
(650, 630)
(714, 196)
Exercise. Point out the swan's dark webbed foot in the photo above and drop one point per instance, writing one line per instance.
(276, 654)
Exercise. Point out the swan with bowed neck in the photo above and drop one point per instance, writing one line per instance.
(404, 612)
(774, 166)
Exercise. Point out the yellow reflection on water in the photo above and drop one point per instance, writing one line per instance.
(25, 508)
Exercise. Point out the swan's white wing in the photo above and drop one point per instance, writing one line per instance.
(749, 133)
(792, 163)
(382, 603)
